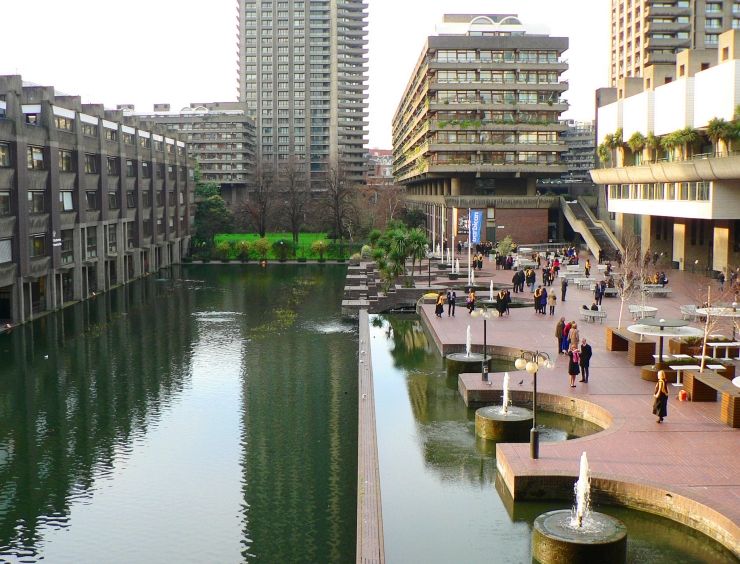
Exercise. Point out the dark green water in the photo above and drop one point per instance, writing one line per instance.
(441, 503)
(210, 417)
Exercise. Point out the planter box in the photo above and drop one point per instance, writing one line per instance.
(650, 374)
(453, 276)
(302, 259)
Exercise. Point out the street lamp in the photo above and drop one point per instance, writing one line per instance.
(485, 314)
(532, 361)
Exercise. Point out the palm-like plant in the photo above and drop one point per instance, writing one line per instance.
(669, 143)
(720, 132)
(417, 246)
(687, 138)
(652, 144)
(636, 143)
(603, 153)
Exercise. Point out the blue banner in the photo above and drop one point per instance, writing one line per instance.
(476, 225)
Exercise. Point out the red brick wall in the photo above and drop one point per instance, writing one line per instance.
(523, 225)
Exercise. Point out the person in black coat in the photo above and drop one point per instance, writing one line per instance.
(586, 353)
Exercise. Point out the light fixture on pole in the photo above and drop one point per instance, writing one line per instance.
(486, 314)
(532, 361)
(734, 320)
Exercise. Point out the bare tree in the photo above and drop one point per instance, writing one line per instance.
(339, 197)
(715, 302)
(255, 209)
(296, 192)
(628, 280)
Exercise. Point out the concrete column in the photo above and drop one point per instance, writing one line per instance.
(531, 186)
(455, 186)
(721, 259)
(645, 238)
(679, 244)
(19, 306)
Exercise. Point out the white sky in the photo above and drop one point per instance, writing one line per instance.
(182, 51)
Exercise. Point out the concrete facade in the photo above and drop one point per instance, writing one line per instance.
(478, 124)
(88, 201)
(303, 77)
(220, 136)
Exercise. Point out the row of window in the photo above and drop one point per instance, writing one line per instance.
(496, 157)
(498, 56)
(498, 77)
(501, 137)
(682, 191)
(494, 97)
(37, 200)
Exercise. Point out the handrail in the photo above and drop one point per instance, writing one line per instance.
(604, 227)
(580, 227)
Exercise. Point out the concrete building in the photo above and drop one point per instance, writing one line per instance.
(479, 123)
(86, 201)
(303, 77)
(683, 202)
(647, 34)
(220, 136)
(580, 158)
(380, 168)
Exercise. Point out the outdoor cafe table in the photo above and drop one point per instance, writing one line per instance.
(664, 328)
(726, 345)
(642, 311)
(727, 311)
(679, 368)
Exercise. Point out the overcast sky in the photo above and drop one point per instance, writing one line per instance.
(182, 51)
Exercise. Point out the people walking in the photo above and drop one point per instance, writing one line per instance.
(552, 300)
(559, 330)
(660, 397)
(451, 304)
(721, 280)
(439, 307)
(586, 353)
(471, 300)
(530, 278)
(573, 335)
(538, 299)
(563, 289)
(574, 358)
(543, 302)
(587, 267)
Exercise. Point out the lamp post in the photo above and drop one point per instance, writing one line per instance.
(429, 271)
(532, 361)
(734, 320)
(486, 314)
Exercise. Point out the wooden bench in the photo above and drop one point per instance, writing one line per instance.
(703, 386)
(639, 352)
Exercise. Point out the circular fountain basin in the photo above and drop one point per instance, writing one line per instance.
(461, 363)
(602, 539)
(513, 426)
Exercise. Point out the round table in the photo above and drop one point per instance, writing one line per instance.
(641, 310)
(664, 328)
(732, 312)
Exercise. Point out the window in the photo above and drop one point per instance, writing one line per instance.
(89, 129)
(64, 123)
(130, 168)
(131, 199)
(91, 198)
(113, 203)
(114, 168)
(128, 138)
(66, 163)
(111, 134)
(91, 164)
(35, 158)
(144, 142)
(112, 239)
(146, 169)
(66, 201)
(36, 202)
(32, 119)
(146, 199)
(4, 203)
(160, 198)
(4, 155)
(37, 245)
(6, 250)
(130, 243)
(67, 246)
(91, 241)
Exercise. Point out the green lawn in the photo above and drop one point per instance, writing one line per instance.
(304, 244)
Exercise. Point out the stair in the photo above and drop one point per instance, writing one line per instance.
(595, 233)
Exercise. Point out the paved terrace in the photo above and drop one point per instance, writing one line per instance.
(687, 468)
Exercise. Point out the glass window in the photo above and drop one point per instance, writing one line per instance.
(63, 123)
(131, 199)
(146, 169)
(91, 199)
(113, 203)
(66, 201)
(89, 129)
(37, 245)
(113, 166)
(35, 158)
(112, 236)
(129, 139)
(36, 202)
(4, 155)
(91, 164)
(6, 250)
(92, 242)
(130, 168)
(4, 203)
(111, 134)
(67, 246)
(66, 163)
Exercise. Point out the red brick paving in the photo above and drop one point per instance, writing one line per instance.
(692, 454)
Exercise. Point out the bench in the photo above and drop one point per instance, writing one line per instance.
(657, 291)
(592, 316)
(639, 352)
(703, 386)
(688, 312)
(613, 292)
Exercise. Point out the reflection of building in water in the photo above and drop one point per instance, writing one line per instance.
(114, 364)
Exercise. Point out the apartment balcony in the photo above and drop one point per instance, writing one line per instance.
(435, 147)
(478, 202)
(653, 27)
(652, 43)
(660, 12)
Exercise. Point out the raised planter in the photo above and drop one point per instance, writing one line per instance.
(301, 259)
(650, 373)
(452, 276)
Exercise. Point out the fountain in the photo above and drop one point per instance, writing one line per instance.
(579, 535)
(503, 422)
(490, 291)
(460, 363)
(457, 266)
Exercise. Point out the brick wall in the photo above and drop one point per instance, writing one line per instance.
(523, 225)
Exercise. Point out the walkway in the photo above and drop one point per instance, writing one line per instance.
(685, 468)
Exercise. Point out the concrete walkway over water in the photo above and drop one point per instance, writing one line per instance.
(687, 468)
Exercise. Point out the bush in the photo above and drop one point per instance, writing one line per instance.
(223, 250)
(282, 249)
(365, 251)
(319, 247)
(261, 247)
(242, 250)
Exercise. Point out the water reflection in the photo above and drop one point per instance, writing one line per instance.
(209, 416)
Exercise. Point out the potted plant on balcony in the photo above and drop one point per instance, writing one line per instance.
(720, 133)
(636, 143)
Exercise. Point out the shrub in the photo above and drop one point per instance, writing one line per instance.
(222, 250)
(319, 247)
(261, 247)
(365, 251)
(242, 250)
(282, 249)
